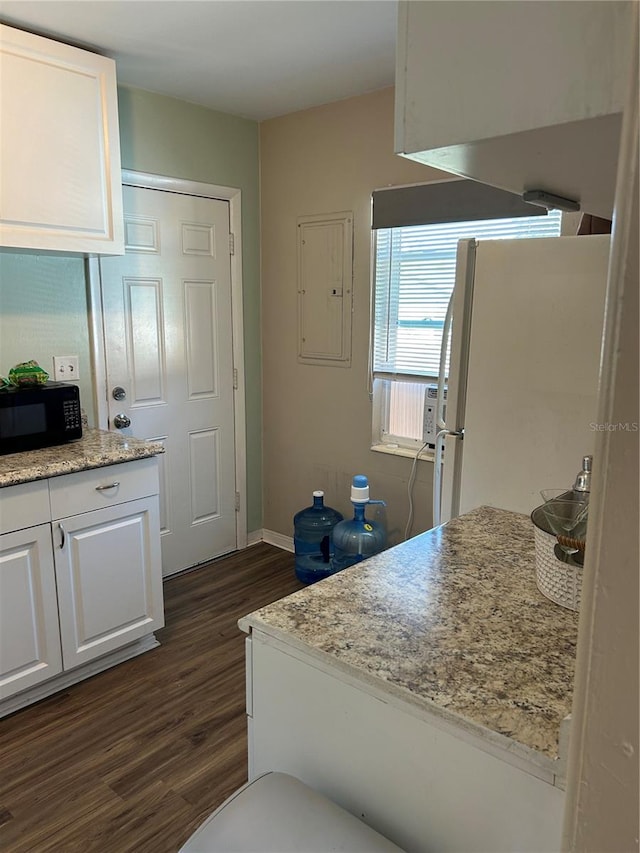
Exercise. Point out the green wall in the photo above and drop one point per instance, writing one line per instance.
(43, 305)
(165, 136)
(43, 312)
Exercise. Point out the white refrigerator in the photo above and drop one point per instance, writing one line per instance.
(523, 337)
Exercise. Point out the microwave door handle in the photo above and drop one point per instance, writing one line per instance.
(444, 348)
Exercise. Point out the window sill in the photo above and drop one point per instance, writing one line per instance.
(391, 450)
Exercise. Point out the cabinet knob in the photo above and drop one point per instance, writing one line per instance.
(119, 393)
(121, 421)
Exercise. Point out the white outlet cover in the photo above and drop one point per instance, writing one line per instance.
(65, 368)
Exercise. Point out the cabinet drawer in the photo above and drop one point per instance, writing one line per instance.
(88, 490)
(24, 505)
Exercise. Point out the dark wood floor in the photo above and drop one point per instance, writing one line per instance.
(133, 759)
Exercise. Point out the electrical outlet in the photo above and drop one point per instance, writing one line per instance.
(65, 368)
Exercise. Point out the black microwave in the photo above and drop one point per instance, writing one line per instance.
(39, 416)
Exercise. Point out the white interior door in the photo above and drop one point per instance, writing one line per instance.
(169, 348)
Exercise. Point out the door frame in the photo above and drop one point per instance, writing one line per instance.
(233, 195)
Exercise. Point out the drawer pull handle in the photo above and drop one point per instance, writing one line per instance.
(105, 488)
(63, 536)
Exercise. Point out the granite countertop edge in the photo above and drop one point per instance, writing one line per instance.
(450, 623)
(96, 449)
(554, 768)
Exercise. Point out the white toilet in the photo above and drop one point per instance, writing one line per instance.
(277, 813)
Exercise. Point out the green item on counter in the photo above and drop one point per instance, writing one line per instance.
(27, 373)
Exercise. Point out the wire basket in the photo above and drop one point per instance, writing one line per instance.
(557, 580)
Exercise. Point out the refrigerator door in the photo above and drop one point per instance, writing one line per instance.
(534, 355)
(450, 447)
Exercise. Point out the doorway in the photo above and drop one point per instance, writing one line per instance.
(170, 362)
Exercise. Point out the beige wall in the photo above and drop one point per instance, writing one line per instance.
(317, 419)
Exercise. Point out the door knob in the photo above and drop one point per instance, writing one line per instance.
(118, 393)
(121, 421)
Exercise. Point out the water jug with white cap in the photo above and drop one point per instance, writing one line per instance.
(359, 538)
(312, 528)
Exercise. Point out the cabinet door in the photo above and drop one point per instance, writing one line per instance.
(518, 95)
(109, 578)
(29, 634)
(60, 147)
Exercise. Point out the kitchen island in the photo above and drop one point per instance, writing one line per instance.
(80, 562)
(427, 689)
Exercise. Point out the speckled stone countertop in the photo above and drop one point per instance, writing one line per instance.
(451, 621)
(95, 449)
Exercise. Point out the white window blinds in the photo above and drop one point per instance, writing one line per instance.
(414, 278)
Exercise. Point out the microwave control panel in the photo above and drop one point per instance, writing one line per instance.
(71, 414)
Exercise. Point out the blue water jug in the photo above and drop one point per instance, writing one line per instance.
(312, 539)
(359, 538)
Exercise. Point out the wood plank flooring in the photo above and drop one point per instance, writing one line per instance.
(135, 758)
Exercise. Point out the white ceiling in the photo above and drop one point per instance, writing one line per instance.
(252, 58)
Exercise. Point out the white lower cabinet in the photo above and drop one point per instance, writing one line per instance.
(82, 592)
(109, 589)
(425, 782)
(29, 633)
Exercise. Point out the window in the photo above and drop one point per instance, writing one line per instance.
(413, 281)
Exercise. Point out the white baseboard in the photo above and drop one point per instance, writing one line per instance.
(254, 537)
(278, 539)
(271, 538)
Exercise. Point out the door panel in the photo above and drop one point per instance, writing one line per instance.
(168, 331)
(145, 341)
(204, 447)
(200, 334)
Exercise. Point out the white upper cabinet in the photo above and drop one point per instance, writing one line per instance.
(522, 95)
(60, 183)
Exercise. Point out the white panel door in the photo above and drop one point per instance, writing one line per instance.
(29, 635)
(109, 587)
(168, 332)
